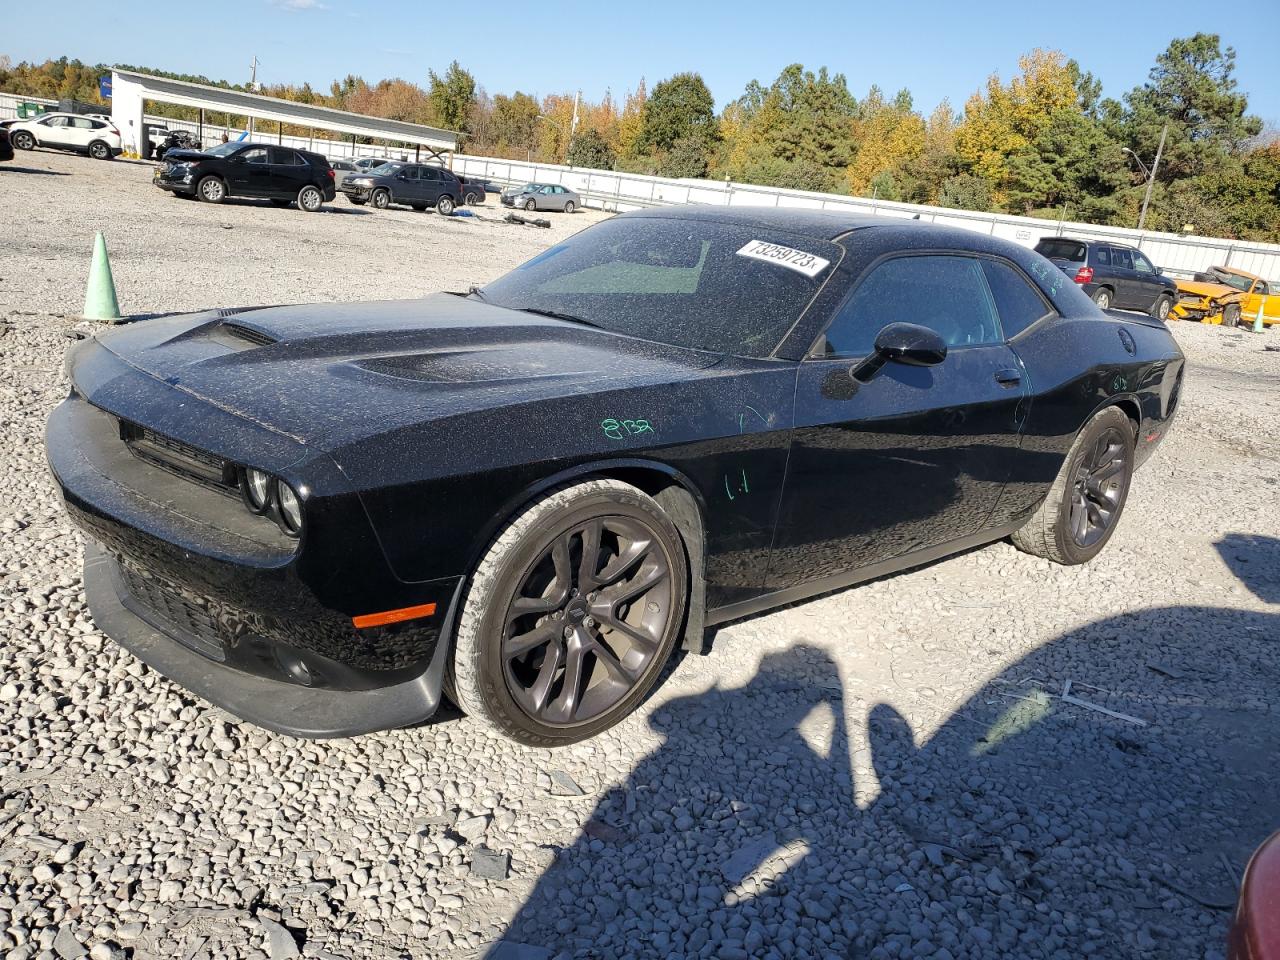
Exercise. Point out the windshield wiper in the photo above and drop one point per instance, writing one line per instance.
(556, 315)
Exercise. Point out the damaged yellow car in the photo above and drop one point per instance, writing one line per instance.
(1227, 296)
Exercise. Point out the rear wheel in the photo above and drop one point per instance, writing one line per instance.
(473, 199)
(99, 150)
(1231, 315)
(1083, 506)
(1102, 297)
(380, 199)
(1162, 308)
(23, 140)
(310, 198)
(568, 207)
(444, 206)
(571, 614)
(211, 190)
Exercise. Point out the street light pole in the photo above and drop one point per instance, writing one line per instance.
(1151, 180)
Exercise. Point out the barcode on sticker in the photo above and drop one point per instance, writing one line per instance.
(797, 260)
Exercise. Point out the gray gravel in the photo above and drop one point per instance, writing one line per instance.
(888, 771)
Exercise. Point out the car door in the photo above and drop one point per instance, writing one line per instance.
(914, 458)
(79, 132)
(54, 132)
(249, 173)
(1127, 287)
(1147, 285)
(289, 172)
(431, 185)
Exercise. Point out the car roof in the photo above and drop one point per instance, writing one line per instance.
(1093, 243)
(819, 224)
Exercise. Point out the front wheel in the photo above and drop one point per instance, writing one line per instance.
(380, 199)
(99, 150)
(1083, 506)
(444, 206)
(531, 205)
(1102, 297)
(310, 198)
(23, 140)
(1162, 308)
(571, 615)
(473, 199)
(1231, 315)
(212, 190)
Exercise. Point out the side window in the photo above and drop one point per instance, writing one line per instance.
(80, 123)
(256, 155)
(430, 174)
(1120, 258)
(548, 190)
(1102, 255)
(1018, 303)
(55, 122)
(1142, 264)
(945, 293)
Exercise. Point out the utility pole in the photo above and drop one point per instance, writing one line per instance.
(253, 88)
(1151, 180)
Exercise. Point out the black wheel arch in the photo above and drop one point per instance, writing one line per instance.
(676, 494)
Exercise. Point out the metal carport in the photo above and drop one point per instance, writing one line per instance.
(130, 90)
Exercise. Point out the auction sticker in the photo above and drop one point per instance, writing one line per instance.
(796, 260)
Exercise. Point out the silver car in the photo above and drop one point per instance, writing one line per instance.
(341, 170)
(541, 196)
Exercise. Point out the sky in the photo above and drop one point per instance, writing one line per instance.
(934, 49)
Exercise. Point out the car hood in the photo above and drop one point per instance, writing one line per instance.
(182, 153)
(332, 374)
(1201, 288)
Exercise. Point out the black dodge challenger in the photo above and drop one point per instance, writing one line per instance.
(325, 518)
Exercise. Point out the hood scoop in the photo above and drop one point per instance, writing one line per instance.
(239, 331)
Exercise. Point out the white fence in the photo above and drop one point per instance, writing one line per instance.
(608, 190)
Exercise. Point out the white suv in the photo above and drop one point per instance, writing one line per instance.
(96, 136)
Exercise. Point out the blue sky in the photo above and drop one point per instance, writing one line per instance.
(935, 49)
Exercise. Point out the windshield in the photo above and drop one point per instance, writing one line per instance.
(384, 169)
(1232, 279)
(693, 283)
(224, 149)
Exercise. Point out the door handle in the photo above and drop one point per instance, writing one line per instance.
(1009, 377)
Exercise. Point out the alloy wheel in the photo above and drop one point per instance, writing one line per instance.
(380, 199)
(588, 618)
(1103, 300)
(1098, 488)
(309, 199)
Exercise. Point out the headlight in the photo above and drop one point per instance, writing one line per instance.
(290, 507)
(257, 488)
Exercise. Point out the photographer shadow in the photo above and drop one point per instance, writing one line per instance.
(1028, 824)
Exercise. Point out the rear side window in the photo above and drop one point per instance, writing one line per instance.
(285, 157)
(1017, 301)
(1102, 255)
(1057, 248)
(945, 293)
(1121, 258)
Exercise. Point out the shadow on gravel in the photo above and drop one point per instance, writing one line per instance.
(1028, 825)
(32, 170)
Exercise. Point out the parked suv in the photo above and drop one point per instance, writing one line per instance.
(1113, 274)
(417, 185)
(96, 136)
(282, 175)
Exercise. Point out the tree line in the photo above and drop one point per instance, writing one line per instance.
(1044, 142)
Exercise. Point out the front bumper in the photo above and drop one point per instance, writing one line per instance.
(277, 705)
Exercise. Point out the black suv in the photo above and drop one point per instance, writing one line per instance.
(1113, 274)
(282, 175)
(417, 185)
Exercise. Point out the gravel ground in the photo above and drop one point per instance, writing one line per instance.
(889, 771)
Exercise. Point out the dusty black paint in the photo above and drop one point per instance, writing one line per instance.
(414, 430)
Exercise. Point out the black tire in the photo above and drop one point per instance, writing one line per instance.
(1231, 315)
(99, 150)
(22, 140)
(568, 207)
(1102, 455)
(445, 205)
(310, 199)
(526, 628)
(1161, 310)
(531, 205)
(211, 190)
(380, 199)
(473, 199)
(1103, 297)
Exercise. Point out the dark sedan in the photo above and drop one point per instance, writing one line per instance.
(282, 175)
(324, 517)
(416, 185)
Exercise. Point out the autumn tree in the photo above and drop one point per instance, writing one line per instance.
(451, 96)
(890, 135)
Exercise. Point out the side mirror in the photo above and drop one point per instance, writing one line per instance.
(907, 343)
(1158, 270)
